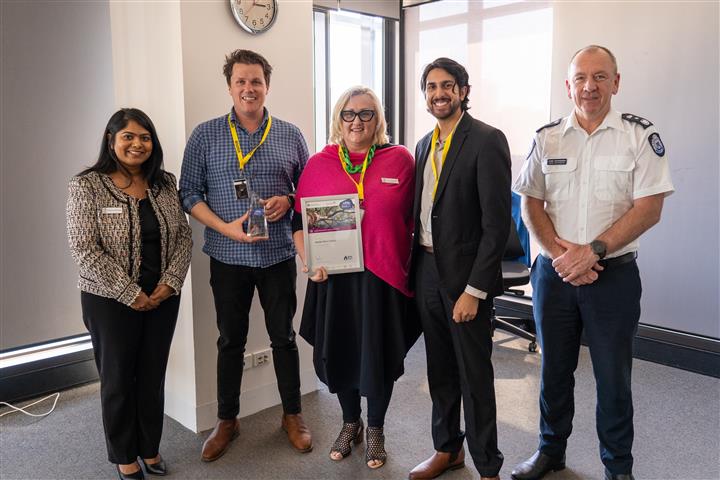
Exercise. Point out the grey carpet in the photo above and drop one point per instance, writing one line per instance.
(677, 425)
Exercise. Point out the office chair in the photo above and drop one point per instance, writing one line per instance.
(512, 311)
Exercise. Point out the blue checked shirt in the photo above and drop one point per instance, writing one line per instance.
(210, 166)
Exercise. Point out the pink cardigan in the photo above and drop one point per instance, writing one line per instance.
(388, 222)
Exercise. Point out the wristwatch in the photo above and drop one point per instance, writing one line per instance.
(599, 248)
(291, 199)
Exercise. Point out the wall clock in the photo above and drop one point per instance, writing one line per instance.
(254, 16)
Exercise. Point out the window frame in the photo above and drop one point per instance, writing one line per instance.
(391, 86)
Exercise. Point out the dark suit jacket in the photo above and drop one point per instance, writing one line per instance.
(471, 212)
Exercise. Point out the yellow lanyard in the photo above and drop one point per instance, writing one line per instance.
(243, 159)
(366, 162)
(446, 147)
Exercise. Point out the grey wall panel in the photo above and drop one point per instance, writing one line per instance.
(57, 94)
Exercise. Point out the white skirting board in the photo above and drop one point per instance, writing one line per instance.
(203, 417)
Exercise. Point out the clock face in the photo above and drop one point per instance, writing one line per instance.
(254, 16)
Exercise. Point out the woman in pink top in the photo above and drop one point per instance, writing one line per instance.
(360, 323)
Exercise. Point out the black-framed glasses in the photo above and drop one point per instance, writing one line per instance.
(349, 115)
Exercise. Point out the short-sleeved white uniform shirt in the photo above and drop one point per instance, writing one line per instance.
(589, 181)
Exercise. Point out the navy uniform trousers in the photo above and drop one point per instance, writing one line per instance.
(608, 311)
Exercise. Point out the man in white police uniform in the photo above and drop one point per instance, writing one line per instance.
(592, 184)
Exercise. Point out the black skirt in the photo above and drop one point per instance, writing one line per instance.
(361, 328)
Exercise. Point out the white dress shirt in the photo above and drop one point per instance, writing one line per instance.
(589, 181)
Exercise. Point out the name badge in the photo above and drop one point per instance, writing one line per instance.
(557, 161)
(241, 189)
(393, 181)
(112, 210)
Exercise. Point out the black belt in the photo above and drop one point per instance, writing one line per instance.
(617, 261)
(427, 249)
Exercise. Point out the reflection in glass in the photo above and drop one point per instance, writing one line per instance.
(446, 8)
(499, 3)
(320, 37)
(514, 73)
(355, 48)
(506, 51)
(354, 57)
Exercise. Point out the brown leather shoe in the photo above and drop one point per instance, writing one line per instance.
(438, 464)
(217, 443)
(298, 433)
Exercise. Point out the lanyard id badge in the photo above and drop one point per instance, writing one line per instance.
(446, 147)
(243, 159)
(349, 168)
(435, 169)
(241, 188)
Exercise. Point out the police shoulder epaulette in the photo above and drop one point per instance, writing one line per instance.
(635, 119)
(551, 124)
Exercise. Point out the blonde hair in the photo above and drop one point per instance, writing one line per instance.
(380, 137)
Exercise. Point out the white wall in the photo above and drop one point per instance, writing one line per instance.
(288, 48)
(147, 71)
(668, 60)
(168, 59)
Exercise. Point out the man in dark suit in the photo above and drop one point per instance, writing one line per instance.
(462, 219)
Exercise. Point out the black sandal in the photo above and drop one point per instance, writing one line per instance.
(375, 447)
(350, 433)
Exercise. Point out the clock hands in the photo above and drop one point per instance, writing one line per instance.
(260, 20)
(256, 3)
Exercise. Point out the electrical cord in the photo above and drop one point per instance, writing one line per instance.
(22, 409)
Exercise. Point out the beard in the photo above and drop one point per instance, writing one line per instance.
(444, 112)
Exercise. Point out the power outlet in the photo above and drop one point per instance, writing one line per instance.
(247, 361)
(261, 358)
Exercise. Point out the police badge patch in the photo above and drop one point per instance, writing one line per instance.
(656, 144)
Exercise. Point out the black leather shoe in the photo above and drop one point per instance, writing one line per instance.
(537, 466)
(618, 476)
(130, 476)
(158, 468)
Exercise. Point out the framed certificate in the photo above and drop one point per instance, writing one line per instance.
(331, 229)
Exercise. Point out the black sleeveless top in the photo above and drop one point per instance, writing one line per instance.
(150, 263)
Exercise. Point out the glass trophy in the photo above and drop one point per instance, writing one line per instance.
(257, 222)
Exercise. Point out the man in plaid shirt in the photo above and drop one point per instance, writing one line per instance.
(229, 162)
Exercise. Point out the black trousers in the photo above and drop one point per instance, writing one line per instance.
(131, 353)
(608, 311)
(233, 288)
(459, 368)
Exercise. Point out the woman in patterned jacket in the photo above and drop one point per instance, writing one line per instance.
(132, 243)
